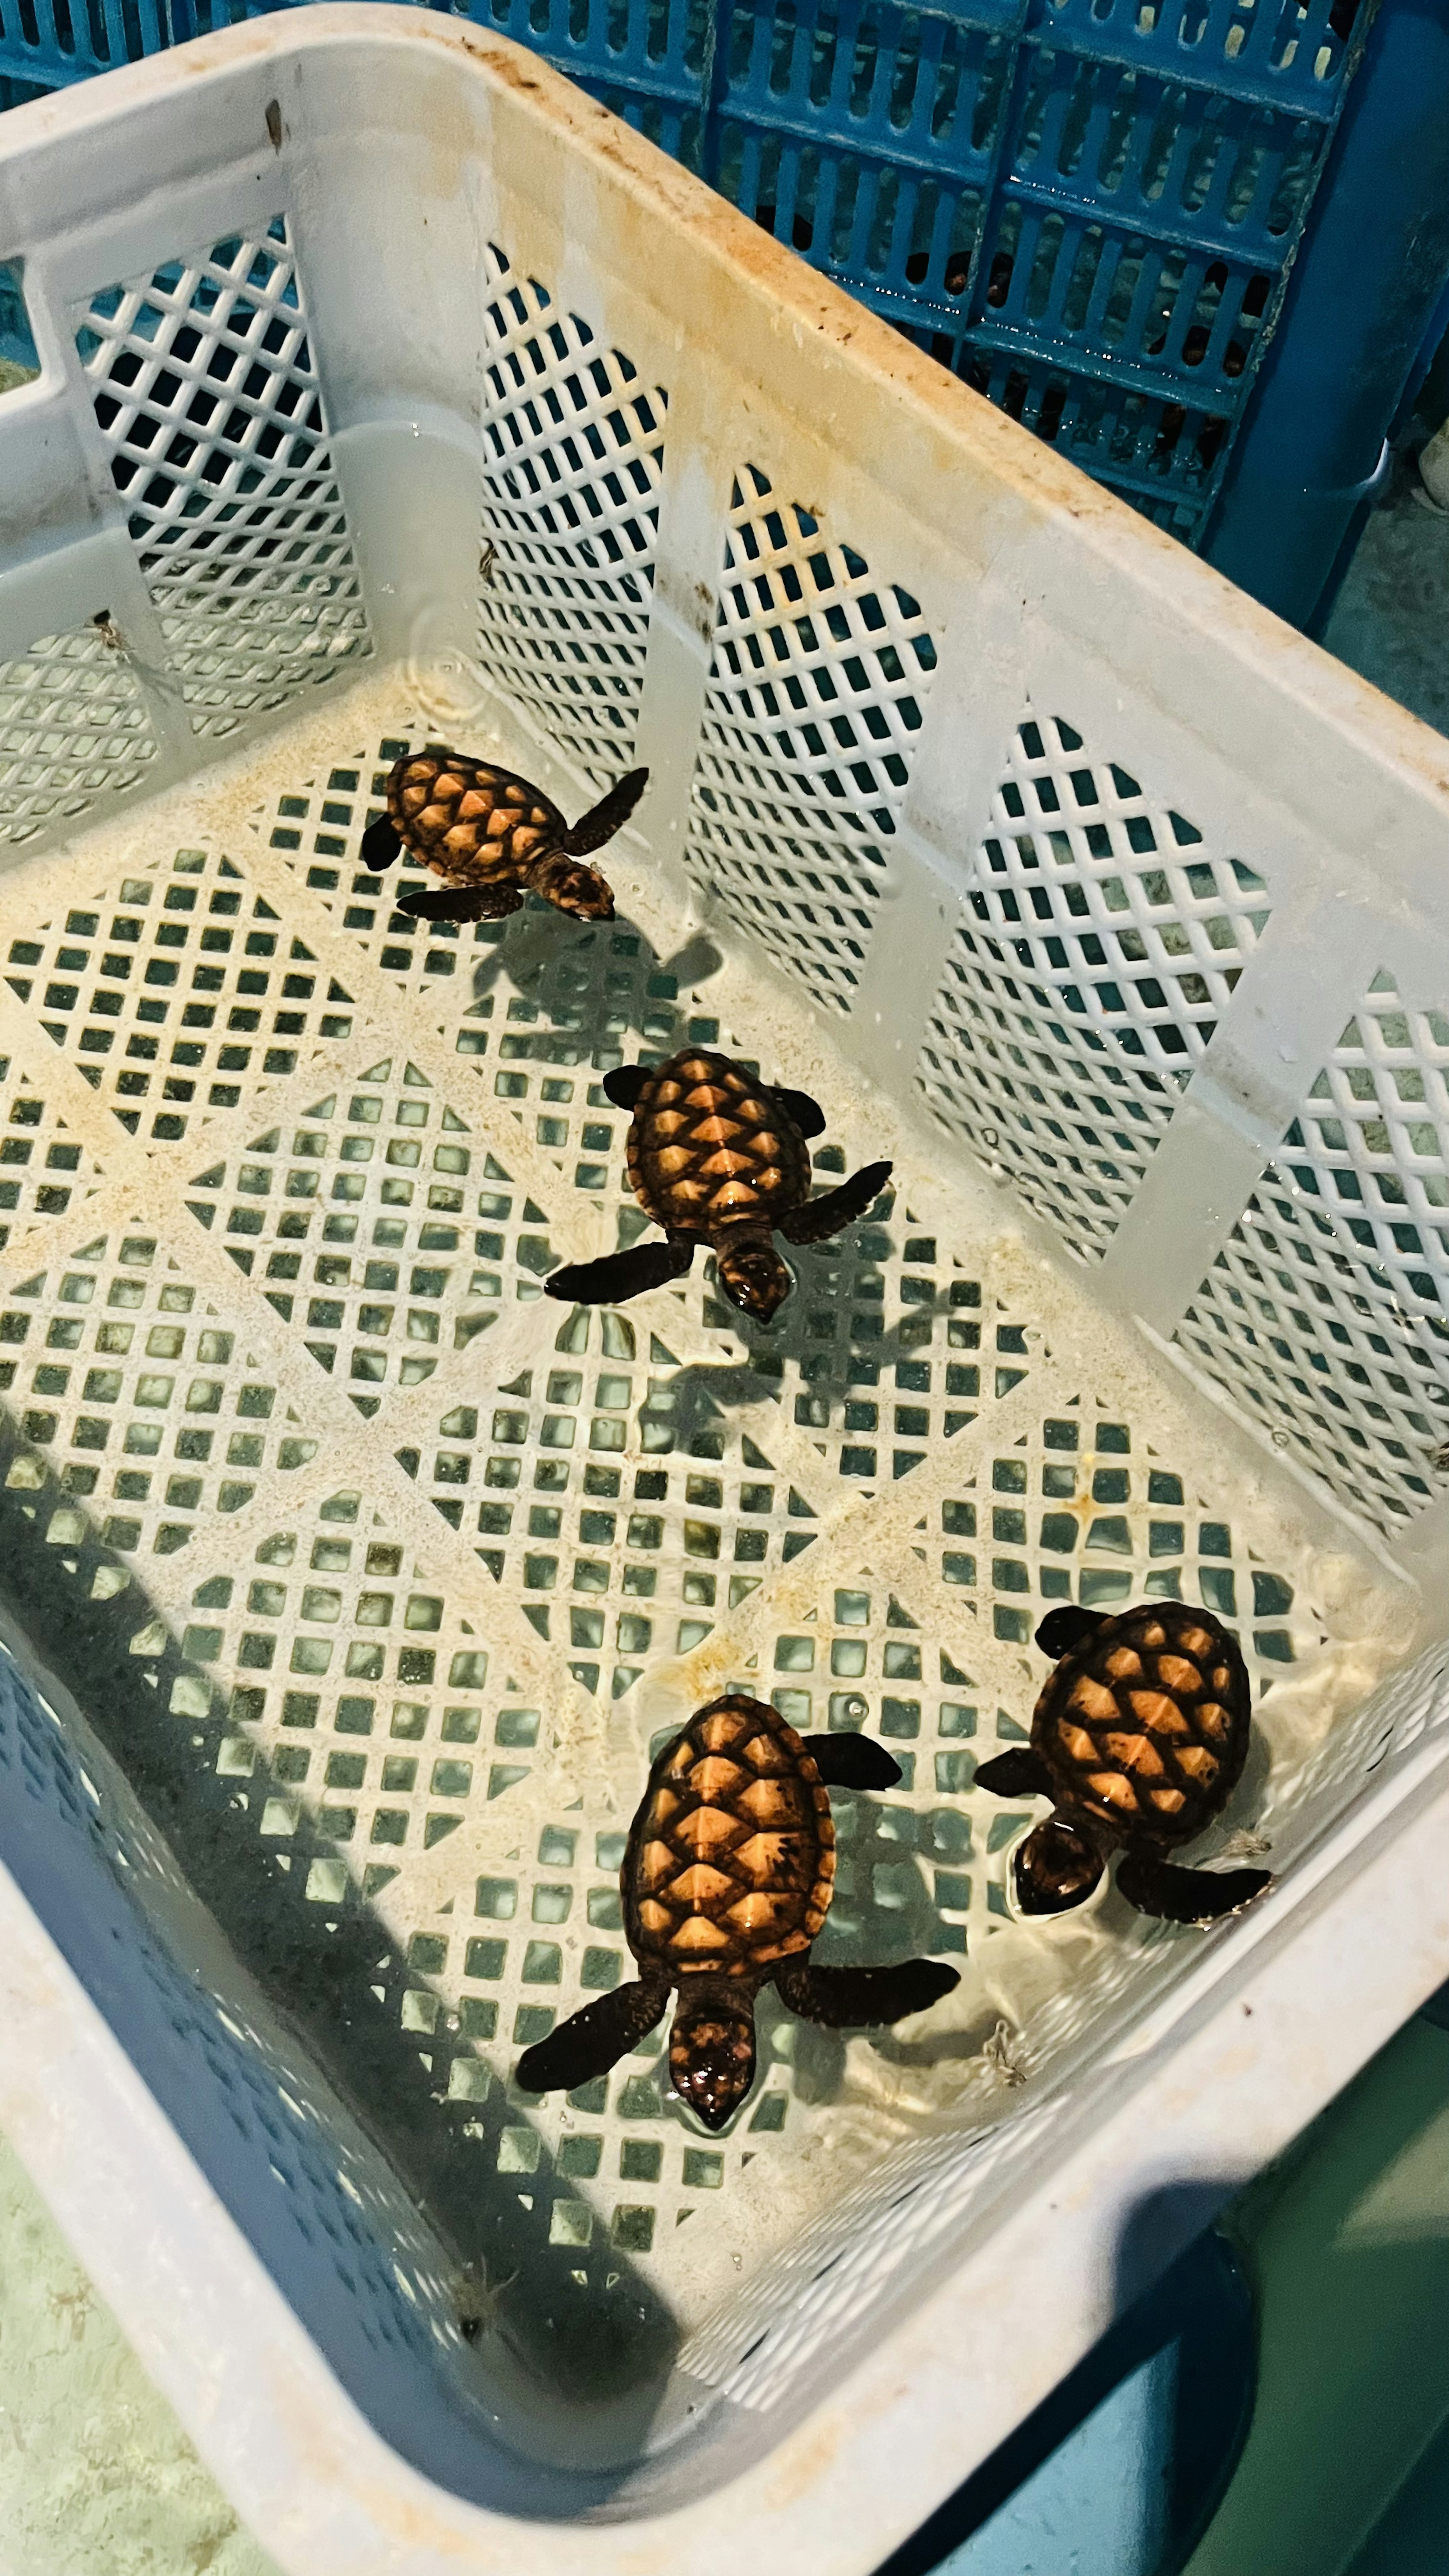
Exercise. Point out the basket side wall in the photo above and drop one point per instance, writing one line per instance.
(1087, 691)
(371, 2288)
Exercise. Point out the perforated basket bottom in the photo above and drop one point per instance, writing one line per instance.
(382, 1574)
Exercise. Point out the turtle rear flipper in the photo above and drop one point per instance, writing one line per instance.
(602, 821)
(608, 1281)
(1066, 1628)
(463, 903)
(862, 1998)
(1174, 1895)
(819, 1218)
(380, 845)
(625, 1085)
(594, 2038)
(1017, 1773)
(852, 1761)
(808, 1115)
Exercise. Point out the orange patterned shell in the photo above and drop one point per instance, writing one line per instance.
(1146, 1724)
(708, 1146)
(731, 1860)
(469, 820)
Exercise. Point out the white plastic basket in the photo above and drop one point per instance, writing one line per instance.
(391, 390)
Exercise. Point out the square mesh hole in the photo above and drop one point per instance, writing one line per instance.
(174, 993)
(211, 411)
(816, 685)
(44, 1171)
(574, 451)
(615, 1492)
(73, 728)
(360, 1212)
(348, 1683)
(1081, 1507)
(1104, 945)
(1327, 1314)
(141, 1399)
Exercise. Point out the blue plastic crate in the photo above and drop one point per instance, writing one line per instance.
(1087, 208)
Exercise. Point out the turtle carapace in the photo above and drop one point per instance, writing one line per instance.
(1139, 1739)
(726, 1881)
(717, 1157)
(496, 835)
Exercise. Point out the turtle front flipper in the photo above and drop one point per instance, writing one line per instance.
(602, 821)
(816, 1219)
(617, 1275)
(594, 2038)
(381, 843)
(625, 1085)
(852, 1761)
(1174, 1895)
(464, 903)
(862, 1998)
(1017, 1773)
(807, 1114)
(1066, 1628)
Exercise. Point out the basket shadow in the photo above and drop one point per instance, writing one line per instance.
(576, 2317)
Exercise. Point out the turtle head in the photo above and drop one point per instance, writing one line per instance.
(712, 2046)
(571, 887)
(752, 1274)
(1057, 1866)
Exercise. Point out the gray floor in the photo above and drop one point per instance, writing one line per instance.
(96, 2476)
(1391, 619)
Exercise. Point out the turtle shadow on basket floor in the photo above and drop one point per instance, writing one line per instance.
(580, 2319)
(789, 1360)
(882, 1912)
(552, 960)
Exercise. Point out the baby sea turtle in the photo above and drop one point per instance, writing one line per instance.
(718, 1157)
(496, 834)
(726, 1882)
(1139, 1739)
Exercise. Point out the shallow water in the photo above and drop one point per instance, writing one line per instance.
(382, 1575)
